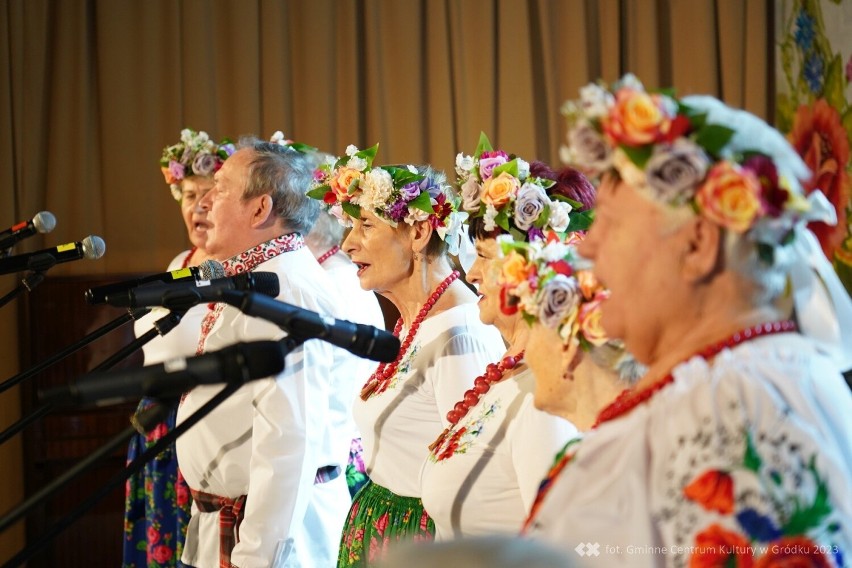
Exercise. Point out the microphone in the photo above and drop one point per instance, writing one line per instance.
(207, 270)
(362, 340)
(183, 295)
(43, 222)
(237, 363)
(91, 247)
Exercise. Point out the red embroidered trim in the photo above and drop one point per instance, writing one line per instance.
(328, 254)
(248, 260)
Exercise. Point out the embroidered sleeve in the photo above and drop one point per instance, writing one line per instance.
(536, 437)
(744, 484)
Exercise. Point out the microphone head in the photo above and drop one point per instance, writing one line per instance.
(93, 247)
(266, 283)
(44, 221)
(262, 358)
(211, 269)
(377, 344)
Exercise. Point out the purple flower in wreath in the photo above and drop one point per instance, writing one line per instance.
(398, 210)
(409, 191)
(428, 185)
(535, 234)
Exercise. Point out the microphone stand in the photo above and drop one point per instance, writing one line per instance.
(53, 359)
(29, 282)
(147, 419)
(161, 327)
(118, 480)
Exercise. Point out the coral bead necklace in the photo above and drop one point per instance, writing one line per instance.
(328, 254)
(630, 399)
(482, 384)
(380, 379)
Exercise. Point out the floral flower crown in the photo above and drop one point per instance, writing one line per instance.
(725, 164)
(393, 193)
(279, 138)
(195, 155)
(549, 282)
(499, 188)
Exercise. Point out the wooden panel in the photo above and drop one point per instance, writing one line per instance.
(55, 316)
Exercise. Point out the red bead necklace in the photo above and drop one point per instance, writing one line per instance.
(481, 385)
(630, 399)
(380, 379)
(328, 254)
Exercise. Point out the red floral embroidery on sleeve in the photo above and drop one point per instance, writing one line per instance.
(792, 551)
(717, 547)
(713, 490)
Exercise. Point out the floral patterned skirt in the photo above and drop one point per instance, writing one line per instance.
(157, 504)
(377, 519)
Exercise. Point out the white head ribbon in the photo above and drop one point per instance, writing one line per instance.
(823, 306)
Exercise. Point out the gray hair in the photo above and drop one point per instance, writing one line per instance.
(767, 272)
(327, 231)
(285, 175)
(614, 355)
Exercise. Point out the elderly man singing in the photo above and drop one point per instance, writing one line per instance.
(265, 467)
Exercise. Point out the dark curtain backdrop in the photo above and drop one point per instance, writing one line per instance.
(92, 91)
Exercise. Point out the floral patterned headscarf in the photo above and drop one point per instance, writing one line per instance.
(697, 154)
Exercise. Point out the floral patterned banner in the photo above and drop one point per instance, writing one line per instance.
(813, 76)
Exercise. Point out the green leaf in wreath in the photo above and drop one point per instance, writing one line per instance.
(302, 148)
(351, 209)
(484, 145)
(572, 202)
(511, 167)
(402, 176)
(369, 154)
(639, 155)
(714, 137)
(581, 220)
(518, 235)
(319, 192)
(502, 219)
(541, 221)
(422, 202)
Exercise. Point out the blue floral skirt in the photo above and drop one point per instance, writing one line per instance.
(157, 503)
